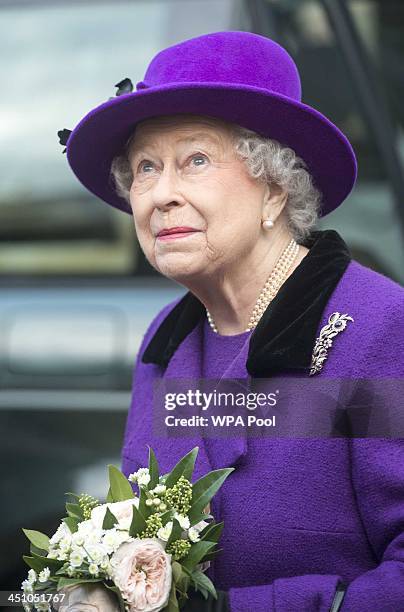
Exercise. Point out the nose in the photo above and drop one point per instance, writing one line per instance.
(165, 190)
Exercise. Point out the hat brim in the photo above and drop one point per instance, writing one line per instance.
(103, 132)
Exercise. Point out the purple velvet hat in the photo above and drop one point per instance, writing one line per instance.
(240, 77)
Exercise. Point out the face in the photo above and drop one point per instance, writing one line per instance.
(187, 176)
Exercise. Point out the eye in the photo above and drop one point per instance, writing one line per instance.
(144, 164)
(199, 157)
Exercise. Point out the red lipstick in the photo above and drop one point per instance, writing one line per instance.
(176, 232)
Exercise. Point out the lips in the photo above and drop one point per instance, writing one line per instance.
(176, 230)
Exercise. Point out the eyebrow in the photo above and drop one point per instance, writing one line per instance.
(198, 136)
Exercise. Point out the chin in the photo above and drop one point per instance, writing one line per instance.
(179, 269)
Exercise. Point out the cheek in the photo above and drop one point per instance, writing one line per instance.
(141, 219)
(237, 210)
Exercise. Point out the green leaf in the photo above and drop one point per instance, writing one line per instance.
(37, 538)
(38, 551)
(53, 564)
(189, 575)
(187, 571)
(76, 497)
(172, 605)
(197, 552)
(181, 578)
(64, 582)
(184, 582)
(75, 511)
(212, 532)
(205, 488)
(177, 571)
(72, 523)
(46, 587)
(109, 499)
(175, 532)
(109, 520)
(201, 581)
(120, 486)
(153, 469)
(184, 467)
(138, 523)
(34, 563)
(211, 555)
(166, 516)
(144, 510)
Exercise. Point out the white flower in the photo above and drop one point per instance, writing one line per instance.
(78, 538)
(53, 553)
(93, 569)
(149, 502)
(77, 557)
(61, 532)
(193, 534)
(122, 511)
(65, 544)
(27, 607)
(85, 527)
(142, 477)
(106, 567)
(32, 576)
(71, 570)
(62, 556)
(183, 520)
(165, 532)
(105, 563)
(113, 538)
(89, 532)
(94, 537)
(26, 586)
(160, 488)
(44, 574)
(96, 552)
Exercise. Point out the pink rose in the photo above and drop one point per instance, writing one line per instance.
(141, 569)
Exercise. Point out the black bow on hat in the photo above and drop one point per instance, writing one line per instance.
(125, 86)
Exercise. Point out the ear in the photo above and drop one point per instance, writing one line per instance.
(275, 198)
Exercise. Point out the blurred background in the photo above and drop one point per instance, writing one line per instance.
(76, 294)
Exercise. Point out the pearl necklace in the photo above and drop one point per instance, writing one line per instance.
(271, 287)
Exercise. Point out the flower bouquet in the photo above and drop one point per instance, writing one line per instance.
(142, 550)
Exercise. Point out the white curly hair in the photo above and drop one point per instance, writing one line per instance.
(266, 160)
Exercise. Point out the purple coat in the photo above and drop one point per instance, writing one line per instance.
(301, 515)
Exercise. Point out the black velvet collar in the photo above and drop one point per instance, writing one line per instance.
(286, 333)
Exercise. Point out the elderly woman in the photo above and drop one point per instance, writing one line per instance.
(226, 173)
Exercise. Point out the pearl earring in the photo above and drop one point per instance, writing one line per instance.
(267, 224)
